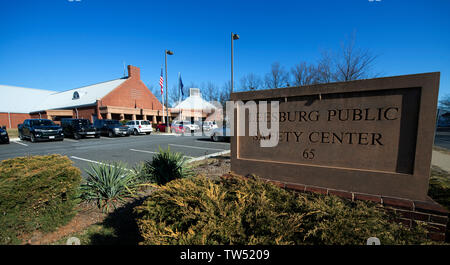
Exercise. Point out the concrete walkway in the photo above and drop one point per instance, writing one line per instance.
(441, 159)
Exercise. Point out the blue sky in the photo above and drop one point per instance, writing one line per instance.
(59, 45)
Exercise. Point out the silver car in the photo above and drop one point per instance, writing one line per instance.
(220, 134)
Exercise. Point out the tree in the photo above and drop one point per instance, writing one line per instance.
(325, 68)
(251, 82)
(224, 93)
(156, 91)
(445, 103)
(174, 95)
(304, 74)
(209, 91)
(353, 63)
(277, 77)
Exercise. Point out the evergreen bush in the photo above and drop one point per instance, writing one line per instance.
(244, 211)
(36, 193)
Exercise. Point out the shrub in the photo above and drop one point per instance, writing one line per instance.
(166, 166)
(108, 184)
(439, 188)
(36, 193)
(244, 211)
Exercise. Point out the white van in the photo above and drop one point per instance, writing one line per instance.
(140, 127)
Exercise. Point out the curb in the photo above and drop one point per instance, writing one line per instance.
(208, 156)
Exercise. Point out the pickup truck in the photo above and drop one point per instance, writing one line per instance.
(78, 128)
(111, 128)
(40, 129)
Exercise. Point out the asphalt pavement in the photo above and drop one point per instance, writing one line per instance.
(131, 150)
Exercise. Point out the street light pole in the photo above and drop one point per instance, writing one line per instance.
(167, 98)
(233, 37)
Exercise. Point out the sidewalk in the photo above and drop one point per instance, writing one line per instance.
(441, 159)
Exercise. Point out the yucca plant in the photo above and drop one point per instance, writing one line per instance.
(167, 166)
(108, 184)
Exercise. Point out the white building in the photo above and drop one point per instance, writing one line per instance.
(195, 108)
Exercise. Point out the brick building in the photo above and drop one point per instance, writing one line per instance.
(124, 98)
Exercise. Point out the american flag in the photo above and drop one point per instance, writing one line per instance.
(161, 81)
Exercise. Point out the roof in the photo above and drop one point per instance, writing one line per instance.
(26, 100)
(86, 95)
(21, 99)
(195, 101)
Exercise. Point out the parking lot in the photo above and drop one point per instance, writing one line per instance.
(131, 150)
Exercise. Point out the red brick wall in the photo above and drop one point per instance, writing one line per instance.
(85, 113)
(16, 118)
(37, 116)
(132, 93)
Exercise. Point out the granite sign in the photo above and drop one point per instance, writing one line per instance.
(372, 136)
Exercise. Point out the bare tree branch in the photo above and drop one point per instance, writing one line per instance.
(250, 82)
(325, 68)
(277, 77)
(304, 74)
(445, 103)
(353, 63)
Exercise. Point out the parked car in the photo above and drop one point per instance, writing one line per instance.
(174, 128)
(78, 128)
(161, 127)
(177, 128)
(220, 134)
(187, 125)
(111, 128)
(40, 129)
(140, 127)
(4, 138)
(209, 125)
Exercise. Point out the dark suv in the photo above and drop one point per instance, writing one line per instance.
(78, 128)
(4, 138)
(111, 128)
(40, 129)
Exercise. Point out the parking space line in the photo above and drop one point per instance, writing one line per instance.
(150, 152)
(70, 140)
(196, 147)
(96, 162)
(18, 142)
(143, 151)
(210, 142)
(87, 160)
(208, 156)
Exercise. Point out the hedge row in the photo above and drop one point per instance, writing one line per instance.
(244, 211)
(36, 193)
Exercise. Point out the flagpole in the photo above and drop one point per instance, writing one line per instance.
(179, 97)
(163, 119)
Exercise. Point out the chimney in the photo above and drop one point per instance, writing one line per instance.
(134, 72)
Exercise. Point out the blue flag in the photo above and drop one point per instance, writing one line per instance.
(181, 86)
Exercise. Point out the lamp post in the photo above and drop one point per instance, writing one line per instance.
(167, 98)
(233, 37)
